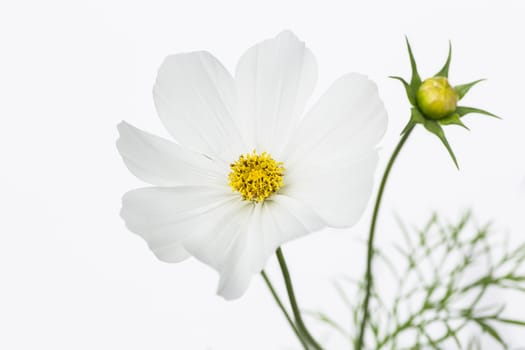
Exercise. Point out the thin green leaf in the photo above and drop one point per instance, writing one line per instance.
(452, 119)
(463, 110)
(322, 317)
(444, 71)
(408, 89)
(491, 331)
(453, 334)
(462, 89)
(509, 321)
(415, 80)
(342, 295)
(434, 127)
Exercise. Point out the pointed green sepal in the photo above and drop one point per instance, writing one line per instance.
(462, 90)
(417, 116)
(444, 71)
(408, 89)
(452, 119)
(463, 110)
(415, 80)
(434, 127)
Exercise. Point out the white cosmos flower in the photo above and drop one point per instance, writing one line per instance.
(249, 172)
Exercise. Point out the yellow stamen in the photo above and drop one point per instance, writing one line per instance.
(256, 176)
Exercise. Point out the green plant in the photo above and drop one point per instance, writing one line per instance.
(440, 292)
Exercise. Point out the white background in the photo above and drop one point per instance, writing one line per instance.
(72, 276)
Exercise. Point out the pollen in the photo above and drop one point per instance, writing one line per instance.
(256, 176)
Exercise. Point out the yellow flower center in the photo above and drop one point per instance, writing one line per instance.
(256, 176)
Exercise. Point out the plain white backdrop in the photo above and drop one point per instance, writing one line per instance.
(73, 277)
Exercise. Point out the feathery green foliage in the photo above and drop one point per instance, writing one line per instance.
(442, 292)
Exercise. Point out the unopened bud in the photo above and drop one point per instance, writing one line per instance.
(436, 98)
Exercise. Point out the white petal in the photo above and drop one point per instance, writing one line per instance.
(211, 225)
(339, 193)
(331, 159)
(233, 236)
(172, 253)
(195, 99)
(344, 125)
(272, 223)
(237, 267)
(164, 163)
(292, 219)
(214, 234)
(165, 216)
(274, 80)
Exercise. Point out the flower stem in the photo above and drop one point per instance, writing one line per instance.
(371, 234)
(283, 309)
(301, 327)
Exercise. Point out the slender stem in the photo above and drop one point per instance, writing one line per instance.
(371, 234)
(283, 309)
(293, 302)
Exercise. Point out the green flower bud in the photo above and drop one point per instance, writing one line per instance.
(434, 101)
(436, 98)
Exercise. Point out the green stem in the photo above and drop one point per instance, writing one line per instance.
(371, 234)
(283, 309)
(293, 302)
